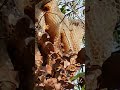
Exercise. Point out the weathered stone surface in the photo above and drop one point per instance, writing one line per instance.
(101, 18)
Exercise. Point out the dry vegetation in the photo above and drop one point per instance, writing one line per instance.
(58, 40)
(55, 58)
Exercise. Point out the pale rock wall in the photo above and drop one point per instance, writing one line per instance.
(101, 18)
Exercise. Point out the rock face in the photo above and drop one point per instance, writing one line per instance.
(21, 51)
(17, 46)
(99, 35)
(7, 74)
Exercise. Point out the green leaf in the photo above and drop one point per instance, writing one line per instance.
(77, 76)
(116, 36)
(63, 9)
(83, 3)
(83, 88)
(84, 12)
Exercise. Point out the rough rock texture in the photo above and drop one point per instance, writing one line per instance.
(17, 46)
(101, 18)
